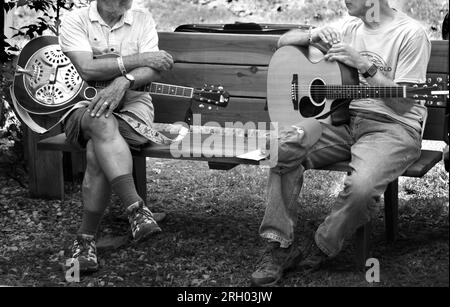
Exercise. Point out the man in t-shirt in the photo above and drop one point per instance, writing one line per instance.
(111, 27)
(382, 138)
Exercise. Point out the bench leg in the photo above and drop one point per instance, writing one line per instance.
(45, 168)
(140, 176)
(362, 252)
(391, 211)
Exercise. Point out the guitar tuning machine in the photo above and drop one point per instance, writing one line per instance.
(439, 79)
(201, 106)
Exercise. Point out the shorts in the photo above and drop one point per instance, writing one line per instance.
(135, 104)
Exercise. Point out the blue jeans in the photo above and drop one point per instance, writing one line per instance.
(380, 150)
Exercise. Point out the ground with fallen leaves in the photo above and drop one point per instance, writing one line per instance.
(210, 235)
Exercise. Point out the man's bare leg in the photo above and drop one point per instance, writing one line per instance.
(96, 193)
(115, 160)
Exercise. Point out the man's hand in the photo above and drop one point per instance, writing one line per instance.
(159, 60)
(108, 98)
(349, 56)
(327, 35)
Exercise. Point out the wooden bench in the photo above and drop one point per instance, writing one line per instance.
(239, 62)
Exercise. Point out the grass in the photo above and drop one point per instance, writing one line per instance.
(210, 237)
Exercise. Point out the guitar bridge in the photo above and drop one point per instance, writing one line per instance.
(294, 92)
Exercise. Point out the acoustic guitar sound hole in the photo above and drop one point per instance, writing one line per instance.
(307, 109)
(318, 91)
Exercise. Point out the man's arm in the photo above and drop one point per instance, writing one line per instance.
(327, 35)
(104, 69)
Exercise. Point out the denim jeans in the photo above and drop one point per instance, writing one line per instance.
(380, 150)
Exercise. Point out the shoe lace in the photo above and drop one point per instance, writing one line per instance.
(267, 256)
(143, 215)
(81, 245)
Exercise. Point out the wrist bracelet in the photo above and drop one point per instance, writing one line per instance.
(122, 68)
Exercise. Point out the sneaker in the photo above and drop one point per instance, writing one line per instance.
(142, 222)
(275, 261)
(85, 252)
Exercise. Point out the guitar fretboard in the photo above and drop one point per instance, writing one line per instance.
(170, 90)
(159, 89)
(359, 92)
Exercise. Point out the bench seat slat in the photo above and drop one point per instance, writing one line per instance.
(428, 159)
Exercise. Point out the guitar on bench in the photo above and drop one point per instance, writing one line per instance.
(47, 83)
(301, 85)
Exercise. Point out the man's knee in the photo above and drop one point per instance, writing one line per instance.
(100, 127)
(362, 188)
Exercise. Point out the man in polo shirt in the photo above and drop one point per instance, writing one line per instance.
(87, 34)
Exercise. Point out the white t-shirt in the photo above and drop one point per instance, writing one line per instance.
(401, 50)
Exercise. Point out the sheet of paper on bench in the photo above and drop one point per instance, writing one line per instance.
(256, 155)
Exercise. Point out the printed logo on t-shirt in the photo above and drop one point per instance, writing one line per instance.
(377, 60)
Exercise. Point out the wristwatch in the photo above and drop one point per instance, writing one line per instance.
(130, 78)
(371, 72)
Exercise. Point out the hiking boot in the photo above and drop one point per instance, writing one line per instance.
(85, 253)
(314, 257)
(275, 261)
(142, 222)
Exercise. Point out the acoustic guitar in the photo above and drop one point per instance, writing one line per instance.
(301, 84)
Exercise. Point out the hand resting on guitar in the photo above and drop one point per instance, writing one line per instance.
(108, 99)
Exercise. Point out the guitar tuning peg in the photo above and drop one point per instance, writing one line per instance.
(416, 96)
(435, 85)
(416, 85)
(439, 79)
(425, 86)
(220, 88)
(430, 80)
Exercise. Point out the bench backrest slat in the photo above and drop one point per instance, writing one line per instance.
(439, 57)
(241, 81)
(240, 63)
(219, 48)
